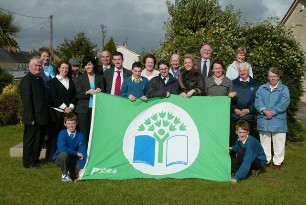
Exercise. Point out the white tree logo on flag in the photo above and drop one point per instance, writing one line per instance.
(162, 139)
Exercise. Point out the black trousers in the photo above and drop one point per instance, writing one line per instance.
(53, 132)
(84, 124)
(68, 163)
(33, 138)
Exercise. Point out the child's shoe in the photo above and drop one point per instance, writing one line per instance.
(66, 178)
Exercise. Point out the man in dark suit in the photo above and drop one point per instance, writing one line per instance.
(36, 113)
(114, 77)
(105, 62)
(204, 64)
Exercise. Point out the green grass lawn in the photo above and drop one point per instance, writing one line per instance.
(43, 186)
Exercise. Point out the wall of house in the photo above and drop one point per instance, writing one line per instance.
(129, 57)
(298, 21)
(12, 65)
(7, 65)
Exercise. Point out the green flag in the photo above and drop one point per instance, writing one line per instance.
(160, 138)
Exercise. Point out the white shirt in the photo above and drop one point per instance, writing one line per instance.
(65, 83)
(114, 80)
(154, 73)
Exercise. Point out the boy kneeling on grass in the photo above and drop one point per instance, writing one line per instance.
(249, 153)
(71, 152)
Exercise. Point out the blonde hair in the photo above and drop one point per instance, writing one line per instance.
(241, 49)
(189, 56)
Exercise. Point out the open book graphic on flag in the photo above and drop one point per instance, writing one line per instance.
(144, 150)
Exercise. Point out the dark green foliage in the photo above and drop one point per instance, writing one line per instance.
(110, 46)
(297, 131)
(8, 30)
(10, 108)
(5, 79)
(195, 22)
(78, 47)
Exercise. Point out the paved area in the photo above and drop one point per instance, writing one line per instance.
(301, 113)
(16, 151)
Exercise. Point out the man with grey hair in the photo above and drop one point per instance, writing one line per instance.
(175, 65)
(205, 62)
(36, 113)
(106, 59)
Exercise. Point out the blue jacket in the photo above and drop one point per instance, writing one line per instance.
(245, 99)
(136, 89)
(72, 146)
(253, 150)
(50, 69)
(277, 101)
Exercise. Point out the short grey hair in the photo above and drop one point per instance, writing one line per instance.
(245, 64)
(35, 58)
(175, 55)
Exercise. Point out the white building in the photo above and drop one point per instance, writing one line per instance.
(129, 56)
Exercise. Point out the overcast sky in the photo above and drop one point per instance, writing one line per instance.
(140, 22)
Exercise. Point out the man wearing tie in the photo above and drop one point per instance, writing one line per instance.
(105, 62)
(113, 77)
(204, 63)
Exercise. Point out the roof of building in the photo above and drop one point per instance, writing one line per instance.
(125, 47)
(5, 57)
(290, 11)
(15, 56)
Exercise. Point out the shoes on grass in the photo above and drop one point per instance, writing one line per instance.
(66, 178)
(277, 167)
(31, 166)
(255, 172)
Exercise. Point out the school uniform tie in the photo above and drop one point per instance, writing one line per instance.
(118, 83)
(204, 71)
(72, 135)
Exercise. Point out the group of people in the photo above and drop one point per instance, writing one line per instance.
(61, 97)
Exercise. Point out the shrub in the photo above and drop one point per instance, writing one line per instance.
(5, 79)
(10, 106)
(10, 89)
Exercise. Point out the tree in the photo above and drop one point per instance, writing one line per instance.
(8, 30)
(110, 46)
(78, 47)
(193, 22)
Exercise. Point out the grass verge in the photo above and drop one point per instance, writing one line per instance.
(43, 186)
